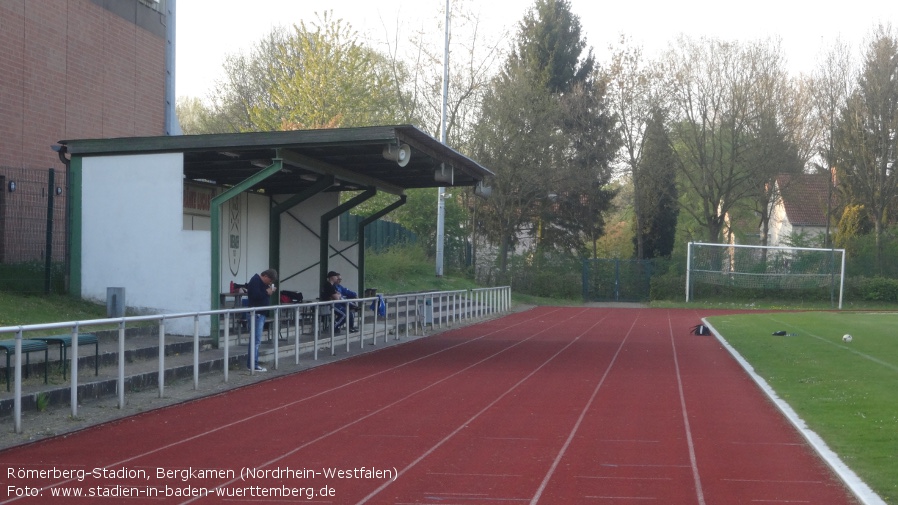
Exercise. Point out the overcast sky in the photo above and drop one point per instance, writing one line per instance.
(209, 30)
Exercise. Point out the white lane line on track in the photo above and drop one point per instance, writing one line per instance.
(390, 405)
(604, 477)
(458, 474)
(576, 427)
(281, 407)
(621, 497)
(777, 481)
(638, 465)
(758, 500)
(699, 493)
(489, 405)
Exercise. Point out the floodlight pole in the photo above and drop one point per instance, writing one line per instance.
(441, 203)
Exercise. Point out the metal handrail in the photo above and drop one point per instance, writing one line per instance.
(459, 305)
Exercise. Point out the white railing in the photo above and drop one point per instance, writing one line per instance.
(416, 310)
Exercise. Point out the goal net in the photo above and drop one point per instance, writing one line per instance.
(764, 271)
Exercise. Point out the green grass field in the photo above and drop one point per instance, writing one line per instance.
(846, 392)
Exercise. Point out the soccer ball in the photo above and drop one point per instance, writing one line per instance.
(846, 338)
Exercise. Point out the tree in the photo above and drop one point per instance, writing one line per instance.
(776, 142)
(544, 130)
(246, 86)
(655, 182)
(710, 89)
(549, 43)
(317, 75)
(633, 97)
(324, 76)
(514, 139)
(193, 115)
(583, 194)
(831, 86)
(866, 145)
(472, 58)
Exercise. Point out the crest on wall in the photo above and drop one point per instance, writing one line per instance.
(234, 234)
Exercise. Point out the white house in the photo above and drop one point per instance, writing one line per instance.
(799, 207)
(175, 219)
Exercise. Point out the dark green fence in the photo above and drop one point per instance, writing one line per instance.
(32, 230)
(616, 280)
(379, 235)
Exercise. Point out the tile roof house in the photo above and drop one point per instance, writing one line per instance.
(799, 208)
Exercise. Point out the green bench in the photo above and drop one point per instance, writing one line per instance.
(65, 341)
(28, 347)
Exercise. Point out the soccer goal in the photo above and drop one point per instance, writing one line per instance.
(765, 270)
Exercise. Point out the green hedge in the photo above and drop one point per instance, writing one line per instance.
(872, 289)
(858, 288)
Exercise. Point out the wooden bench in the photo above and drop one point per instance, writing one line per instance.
(65, 341)
(28, 347)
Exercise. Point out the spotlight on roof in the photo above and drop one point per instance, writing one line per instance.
(444, 174)
(400, 153)
(482, 190)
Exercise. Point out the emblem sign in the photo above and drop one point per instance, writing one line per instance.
(234, 234)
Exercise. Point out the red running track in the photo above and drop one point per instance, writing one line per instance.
(549, 406)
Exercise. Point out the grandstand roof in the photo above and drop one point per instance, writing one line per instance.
(355, 156)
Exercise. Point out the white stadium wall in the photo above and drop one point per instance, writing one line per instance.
(133, 236)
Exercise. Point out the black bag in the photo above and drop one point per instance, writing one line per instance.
(701, 329)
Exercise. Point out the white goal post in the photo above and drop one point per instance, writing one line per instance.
(764, 267)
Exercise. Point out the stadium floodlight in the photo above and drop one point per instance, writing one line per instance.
(748, 267)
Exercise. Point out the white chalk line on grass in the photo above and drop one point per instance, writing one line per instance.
(267, 412)
(860, 489)
(847, 348)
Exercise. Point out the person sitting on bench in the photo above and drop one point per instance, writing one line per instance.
(332, 290)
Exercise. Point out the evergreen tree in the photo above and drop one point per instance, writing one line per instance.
(656, 174)
(549, 43)
(547, 134)
(867, 136)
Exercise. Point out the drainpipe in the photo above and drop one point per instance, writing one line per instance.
(172, 127)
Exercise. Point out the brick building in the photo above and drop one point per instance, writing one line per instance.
(72, 69)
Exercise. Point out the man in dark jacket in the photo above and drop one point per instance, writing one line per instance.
(258, 292)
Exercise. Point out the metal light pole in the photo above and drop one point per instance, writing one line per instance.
(441, 203)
